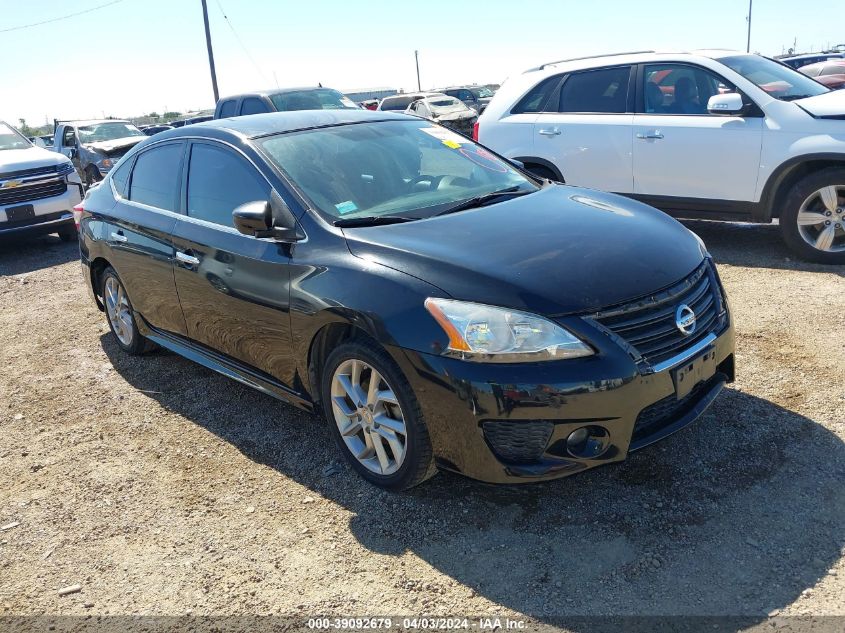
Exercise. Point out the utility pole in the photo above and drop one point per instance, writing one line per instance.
(417, 59)
(210, 52)
(748, 42)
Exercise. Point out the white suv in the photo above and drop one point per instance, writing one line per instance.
(711, 134)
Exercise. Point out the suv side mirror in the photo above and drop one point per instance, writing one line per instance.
(729, 104)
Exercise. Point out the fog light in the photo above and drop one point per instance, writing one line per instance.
(588, 442)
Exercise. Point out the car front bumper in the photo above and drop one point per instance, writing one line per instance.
(485, 419)
(49, 214)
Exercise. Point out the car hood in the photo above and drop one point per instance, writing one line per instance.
(830, 105)
(30, 158)
(560, 250)
(115, 144)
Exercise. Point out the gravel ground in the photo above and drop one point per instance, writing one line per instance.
(162, 488)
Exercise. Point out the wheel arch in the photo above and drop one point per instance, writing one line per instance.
(784, 177)
(96, 268)
(541, 162)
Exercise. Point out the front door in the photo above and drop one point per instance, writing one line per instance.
(682, 151)
(586, 130)
(234, 289)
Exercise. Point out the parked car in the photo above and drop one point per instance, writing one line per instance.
(717, 135)
(95, 146)
(283, 100)
(38, 188)
(830, 73)
(440, 307)
(369, 104)
(179, 123)
(799, 61)
(476, 97)
(48, 140)
(199, 119)
(400, 102)
(155, 129)
(447, 111)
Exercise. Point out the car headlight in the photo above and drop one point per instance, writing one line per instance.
(65, 168)
(106, 162)
(489, 334)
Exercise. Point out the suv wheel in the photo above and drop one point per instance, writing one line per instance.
(813, 220)
(375, 417)
(120, 316)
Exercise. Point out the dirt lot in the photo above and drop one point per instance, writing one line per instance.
(162, 488)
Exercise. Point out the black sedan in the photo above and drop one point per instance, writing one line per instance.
(442, 308)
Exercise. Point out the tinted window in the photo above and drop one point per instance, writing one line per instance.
(120, 177)
(253, 106)
(395, 103)
(596, 91)
(219, 181)
(155, 178)
(227, 108)
(681, 89)
(536, 98)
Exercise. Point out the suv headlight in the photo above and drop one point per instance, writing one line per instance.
(65, 168)
(489, 334)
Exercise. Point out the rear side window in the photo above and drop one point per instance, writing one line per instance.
(219, 181)
(537, 96)
(155, 177)
(120, 177)
(603, 90)
(253, 106)
(227, 108)
(396, 103)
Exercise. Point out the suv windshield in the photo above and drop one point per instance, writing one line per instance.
(776, 79)
(398, 168)
(107, 132)
(317, 99)
(10, 139)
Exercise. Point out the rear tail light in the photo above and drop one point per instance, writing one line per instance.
(77, 214)
(475, 131)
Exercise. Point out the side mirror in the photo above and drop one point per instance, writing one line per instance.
(253, 218)
(729, 104)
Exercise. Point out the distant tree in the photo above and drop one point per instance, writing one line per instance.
(170, 115)
(153, 115)
(25, 129)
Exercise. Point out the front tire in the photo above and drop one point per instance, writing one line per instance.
(813, 219)
(68, 234)
(375, 417)
(120, 315)
(92, 175)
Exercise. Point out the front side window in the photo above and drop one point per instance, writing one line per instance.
(218, 182)
(536, 98)
(251, 105)
(680, 89)
(155, 178)
(779, 81)
(604, 91)
(107, 132)
(409, 168)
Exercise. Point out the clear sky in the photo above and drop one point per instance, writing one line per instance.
(139, 56)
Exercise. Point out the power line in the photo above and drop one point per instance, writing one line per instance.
(63, 17)
(242, 45)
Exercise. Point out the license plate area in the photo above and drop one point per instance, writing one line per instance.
(694, 371)
(20, 213)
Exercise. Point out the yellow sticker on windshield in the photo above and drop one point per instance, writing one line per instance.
(452, 144)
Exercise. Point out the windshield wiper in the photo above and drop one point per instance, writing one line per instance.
(793, 97)
(372, 220)
(479, 201)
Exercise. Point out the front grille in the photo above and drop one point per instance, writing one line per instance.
(25, 173)
(665, 411)
(648, 325)
(29, 192)
(518, 441)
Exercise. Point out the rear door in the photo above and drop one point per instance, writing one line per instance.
(138, 232)
(234, 288)
(682, 151)
(585, 129)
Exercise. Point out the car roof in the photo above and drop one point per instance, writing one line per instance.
(255, 125)
(632, 57)
(273, 91)
(93, 121)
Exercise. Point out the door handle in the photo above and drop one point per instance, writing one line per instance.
(189, 260)
(119, 237)
(553, 132)
(655, 134)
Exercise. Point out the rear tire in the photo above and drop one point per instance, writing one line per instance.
(812, 221)
(120, 315)
(384, 436)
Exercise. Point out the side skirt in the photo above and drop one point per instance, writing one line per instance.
(223, 364)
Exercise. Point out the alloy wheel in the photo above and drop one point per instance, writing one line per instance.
(369, 417)
(821, 219)
(118, 311)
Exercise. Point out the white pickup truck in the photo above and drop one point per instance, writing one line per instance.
(38, 188)
(95, 146)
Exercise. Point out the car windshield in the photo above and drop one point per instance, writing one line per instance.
(776, 79)
(481, 93)
(445, 104)
(412, 169)
(107, 132)
(10, 139)
(317, 99)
